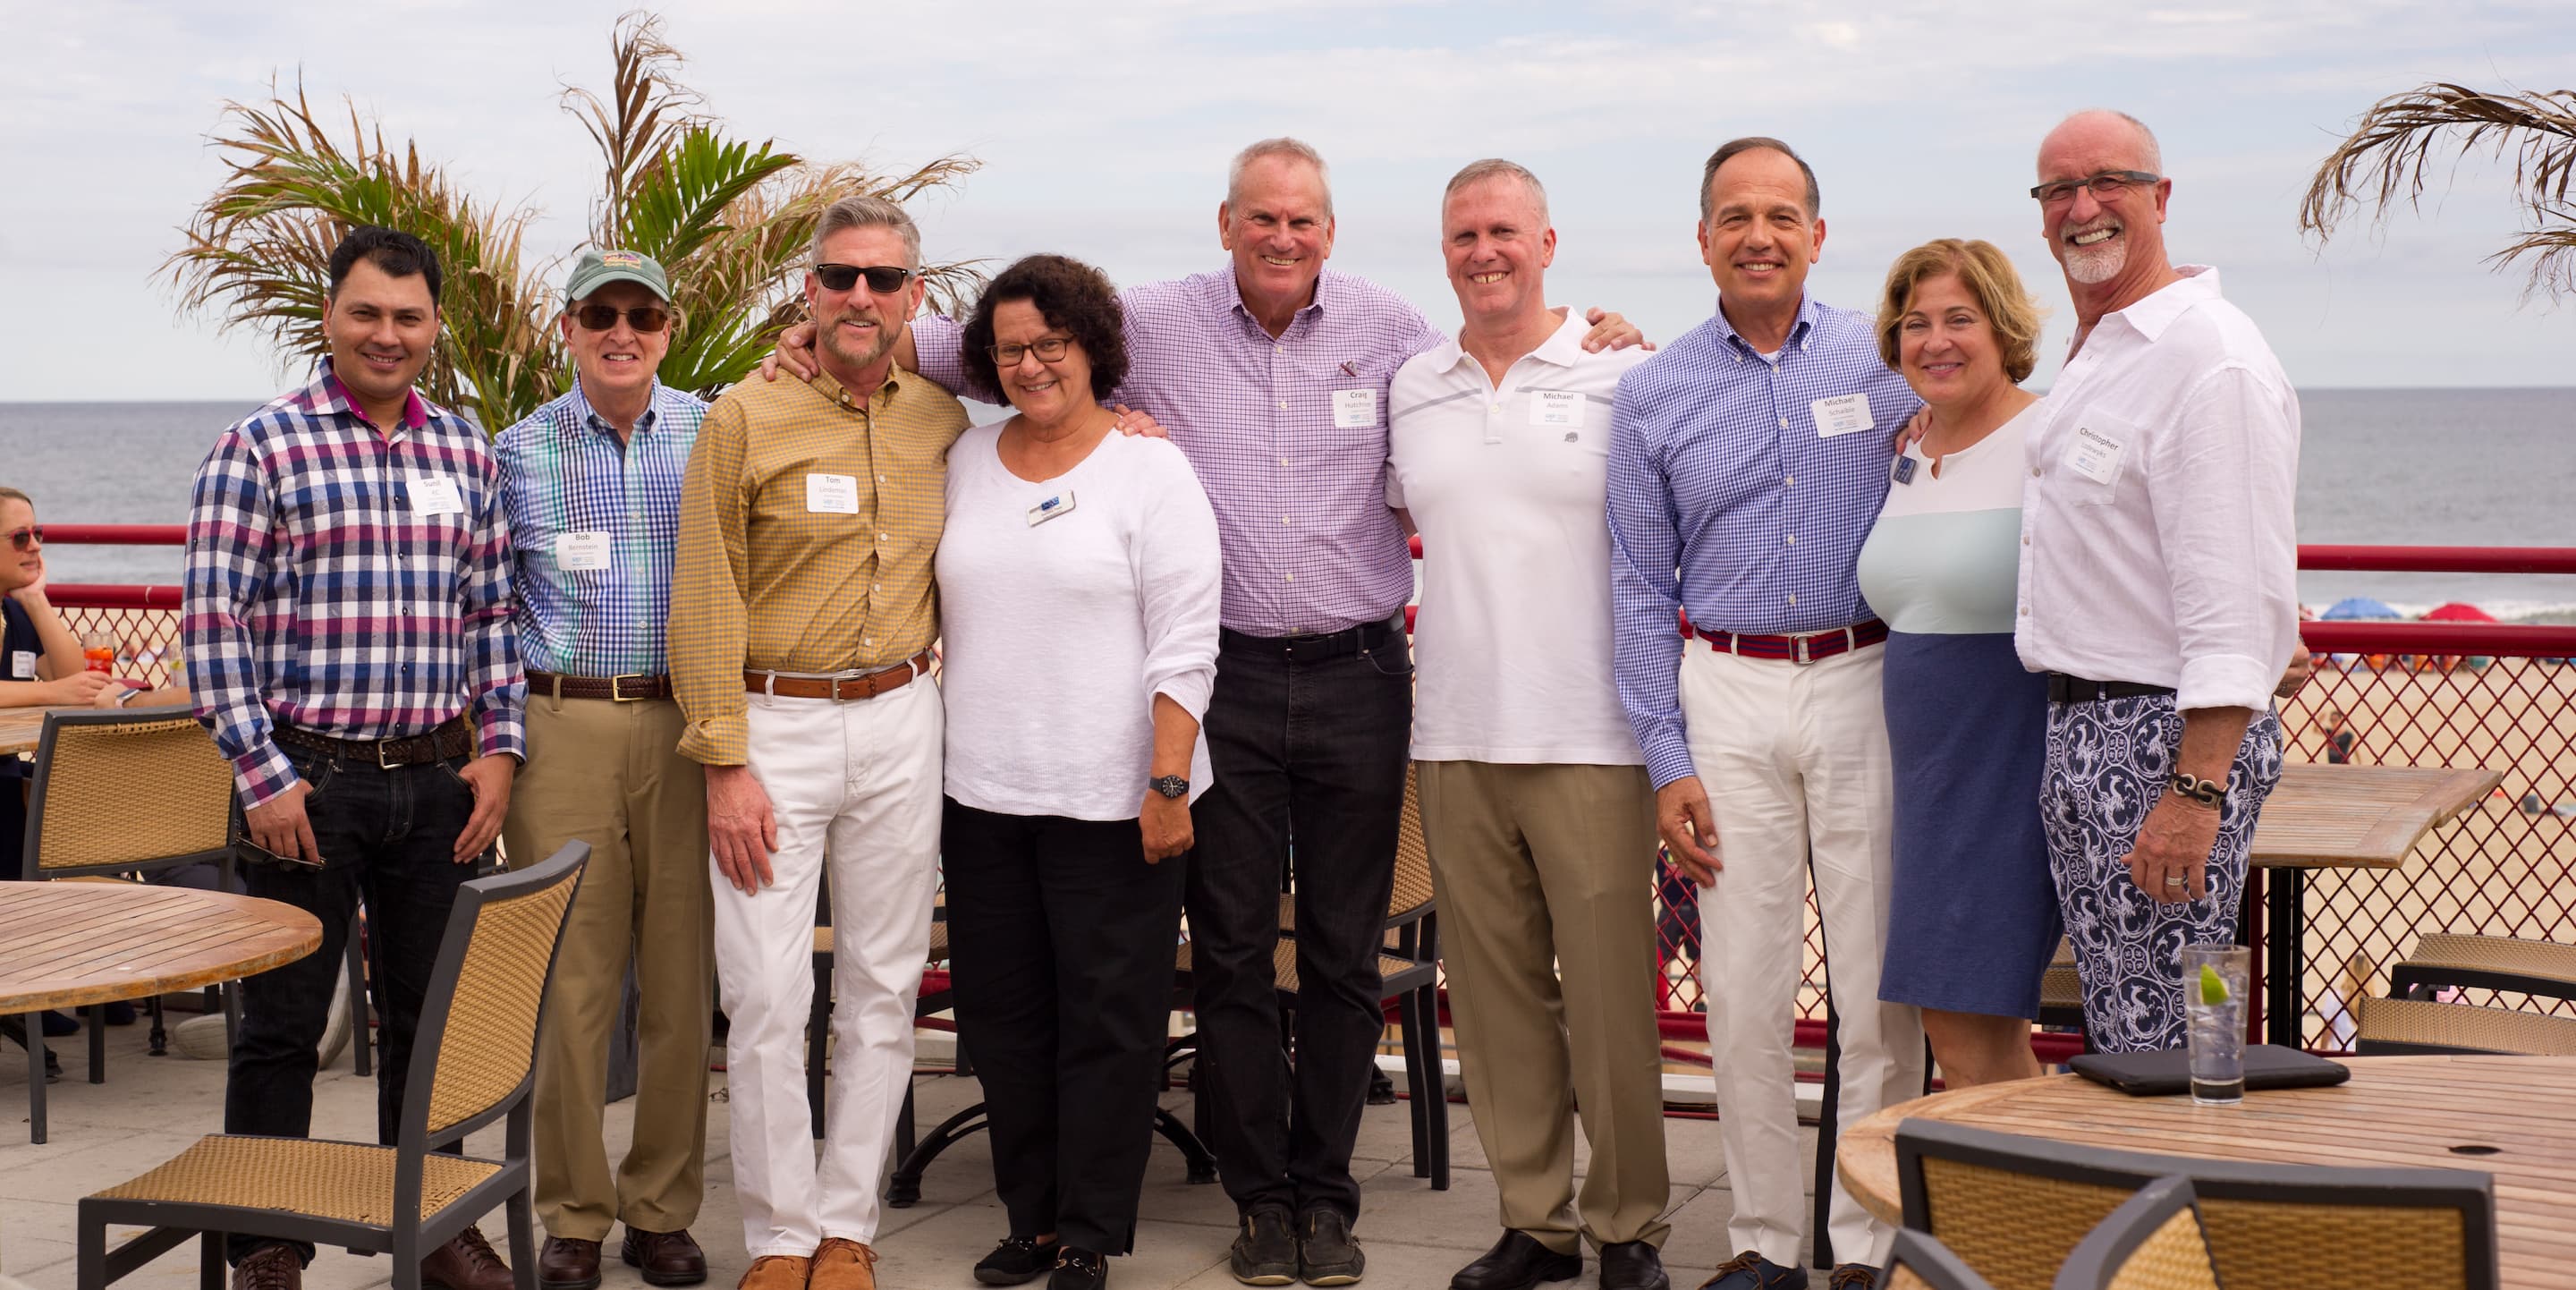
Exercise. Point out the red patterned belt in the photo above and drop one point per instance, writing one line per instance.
(1805, 647)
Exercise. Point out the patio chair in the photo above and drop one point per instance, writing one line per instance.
(2153, 1241)
(473, 1064)
(2543, 968)
(2014, 1208)
(2401, 1027)
(1917, 1261)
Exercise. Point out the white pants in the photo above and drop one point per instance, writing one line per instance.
(855, 785)
(1794, 759)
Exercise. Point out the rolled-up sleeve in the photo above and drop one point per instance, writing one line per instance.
(1645, 593)
(231, 535)
(1180, 581)
(709, 622)
(2225, 479)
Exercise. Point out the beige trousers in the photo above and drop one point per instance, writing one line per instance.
(1545, 876)
(609, 774)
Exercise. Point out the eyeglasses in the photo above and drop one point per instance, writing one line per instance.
(1047, 348)
(604, 317)
(883, 279)
(2105, 186)
(28, 538)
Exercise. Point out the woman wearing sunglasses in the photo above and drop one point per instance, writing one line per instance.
(1078, 588)
(40, 663)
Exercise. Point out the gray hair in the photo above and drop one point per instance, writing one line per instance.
(2151, 156)
(1477, 172)
(1283, 146)
(859, 210)
(1734, 148)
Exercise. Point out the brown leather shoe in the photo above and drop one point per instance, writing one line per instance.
(665, 1258)
(467, 1262)
(843, 1265)
(271, 1267)
(568, 1263)
(775, 1272)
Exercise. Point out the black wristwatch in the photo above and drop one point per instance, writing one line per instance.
(1171, 786)
(2209, 793)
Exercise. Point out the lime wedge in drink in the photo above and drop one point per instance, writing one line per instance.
(2213, 990)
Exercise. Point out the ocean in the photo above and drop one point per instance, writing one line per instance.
(2492, 467)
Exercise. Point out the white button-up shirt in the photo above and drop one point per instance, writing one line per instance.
(2157, 538)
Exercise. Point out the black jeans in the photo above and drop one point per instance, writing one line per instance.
(1062, 941)
(1309, 759)
(386, 837)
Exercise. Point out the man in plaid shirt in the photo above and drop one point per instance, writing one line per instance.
(349, 645)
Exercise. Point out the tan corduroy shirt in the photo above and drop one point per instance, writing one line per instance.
(807, 527)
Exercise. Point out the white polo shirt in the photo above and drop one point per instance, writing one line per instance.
(1507, 486)
(2157, 536)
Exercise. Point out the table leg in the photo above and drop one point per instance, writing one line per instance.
(2286, 955)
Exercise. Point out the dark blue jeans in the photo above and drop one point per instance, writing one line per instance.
(1309, 760)
(386, 837)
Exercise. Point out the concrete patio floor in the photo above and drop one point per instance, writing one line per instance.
(153, 1107)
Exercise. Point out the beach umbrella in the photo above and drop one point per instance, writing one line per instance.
(2456, 612)
(2351, 607)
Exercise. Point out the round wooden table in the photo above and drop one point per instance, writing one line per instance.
(67, 944)
(2517, 1115)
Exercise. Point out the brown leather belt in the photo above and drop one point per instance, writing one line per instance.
(1805, 647)
(453, 738)
(622, 689)
(866, 685)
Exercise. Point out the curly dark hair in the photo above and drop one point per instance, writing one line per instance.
(1073, 297)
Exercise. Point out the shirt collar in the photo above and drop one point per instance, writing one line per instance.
(1808, 310)
(2149, 317)
(1562, 348)
(587, 416)
(1232, 293)
(328, 393)
(833, 391)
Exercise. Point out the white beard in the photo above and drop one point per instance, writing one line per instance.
(2100, 262)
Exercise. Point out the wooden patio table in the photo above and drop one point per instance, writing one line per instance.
(2513, 1117)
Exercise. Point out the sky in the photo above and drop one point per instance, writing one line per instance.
(1104, 128)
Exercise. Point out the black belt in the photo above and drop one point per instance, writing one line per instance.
(451, 739)
(1306, 649)
(2075, 689)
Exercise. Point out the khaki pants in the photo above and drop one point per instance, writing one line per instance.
(608, 773)
(1546, 877)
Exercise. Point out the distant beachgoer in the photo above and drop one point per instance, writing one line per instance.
(2339, 735)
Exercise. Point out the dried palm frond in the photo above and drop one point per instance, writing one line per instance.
(2385, 160)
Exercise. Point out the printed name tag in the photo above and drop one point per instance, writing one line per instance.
(581, 552)
(832, 494)
(1060, 504)
(22, 665)
(1841, 414)
(2094, 455)
(1354, 409)
(435, 495)
(1556, 408)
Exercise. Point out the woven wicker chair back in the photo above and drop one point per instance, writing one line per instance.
(1902, 1277)
(2173, 1257)
(2266, 1243)
(490, 1040)
(2015, 1229)
(2424, 1023)
(131, 793)
(1412, 888)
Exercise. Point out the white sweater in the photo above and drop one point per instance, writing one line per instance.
(1058, 634)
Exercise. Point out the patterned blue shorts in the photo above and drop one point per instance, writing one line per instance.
(2108, 763)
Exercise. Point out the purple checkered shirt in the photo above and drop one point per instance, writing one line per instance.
(317, 597)
(1301, 513)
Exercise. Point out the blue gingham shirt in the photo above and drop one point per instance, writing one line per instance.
(563, 472)
(1728, 500)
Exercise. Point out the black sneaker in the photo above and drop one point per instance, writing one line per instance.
(1327, 1253)
(1079, 1269)
(1016, 1261)
(1265, 1252)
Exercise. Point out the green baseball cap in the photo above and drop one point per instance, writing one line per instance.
(597, 269)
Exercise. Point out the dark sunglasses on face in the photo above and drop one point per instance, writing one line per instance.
(883, 279)
(29, 538)
(604, 317)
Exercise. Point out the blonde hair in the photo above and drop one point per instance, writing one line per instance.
(1989, 276)
(8, 494)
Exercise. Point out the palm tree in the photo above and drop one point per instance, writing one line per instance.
(730, 220)
(2385, 159)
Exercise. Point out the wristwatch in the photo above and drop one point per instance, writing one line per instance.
(2209, 793)
(1171, 786)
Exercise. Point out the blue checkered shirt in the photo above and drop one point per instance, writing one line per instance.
(1726, 499)
(564, 472)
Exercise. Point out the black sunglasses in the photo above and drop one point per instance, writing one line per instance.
(28, 538)
(604, 317)
(883, 279)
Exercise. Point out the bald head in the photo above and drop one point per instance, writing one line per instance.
(2101, 131)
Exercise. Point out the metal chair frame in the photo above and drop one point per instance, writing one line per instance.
(2101, 1257)
(1923, 1255)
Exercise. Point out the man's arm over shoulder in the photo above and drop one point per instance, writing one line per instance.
(2222, 481)
(939, 350)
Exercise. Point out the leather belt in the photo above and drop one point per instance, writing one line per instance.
(1306, 649)
(629, 688)
(1803, 648)
(2075, 689)
(452, 738)
(840, 689)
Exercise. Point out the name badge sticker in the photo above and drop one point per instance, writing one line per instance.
(1841, 415)
(1060, 504)
(22, 665)
(435, 495)
(1556, 408)
(832, 494)
(2094, 455)
(585, 552)
(1354, 409)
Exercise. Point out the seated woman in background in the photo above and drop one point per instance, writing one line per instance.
(1078, 589)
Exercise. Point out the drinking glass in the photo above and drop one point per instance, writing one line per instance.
(2213, 988)
(98, 652)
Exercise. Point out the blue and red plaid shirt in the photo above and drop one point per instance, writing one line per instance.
(333, 585)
